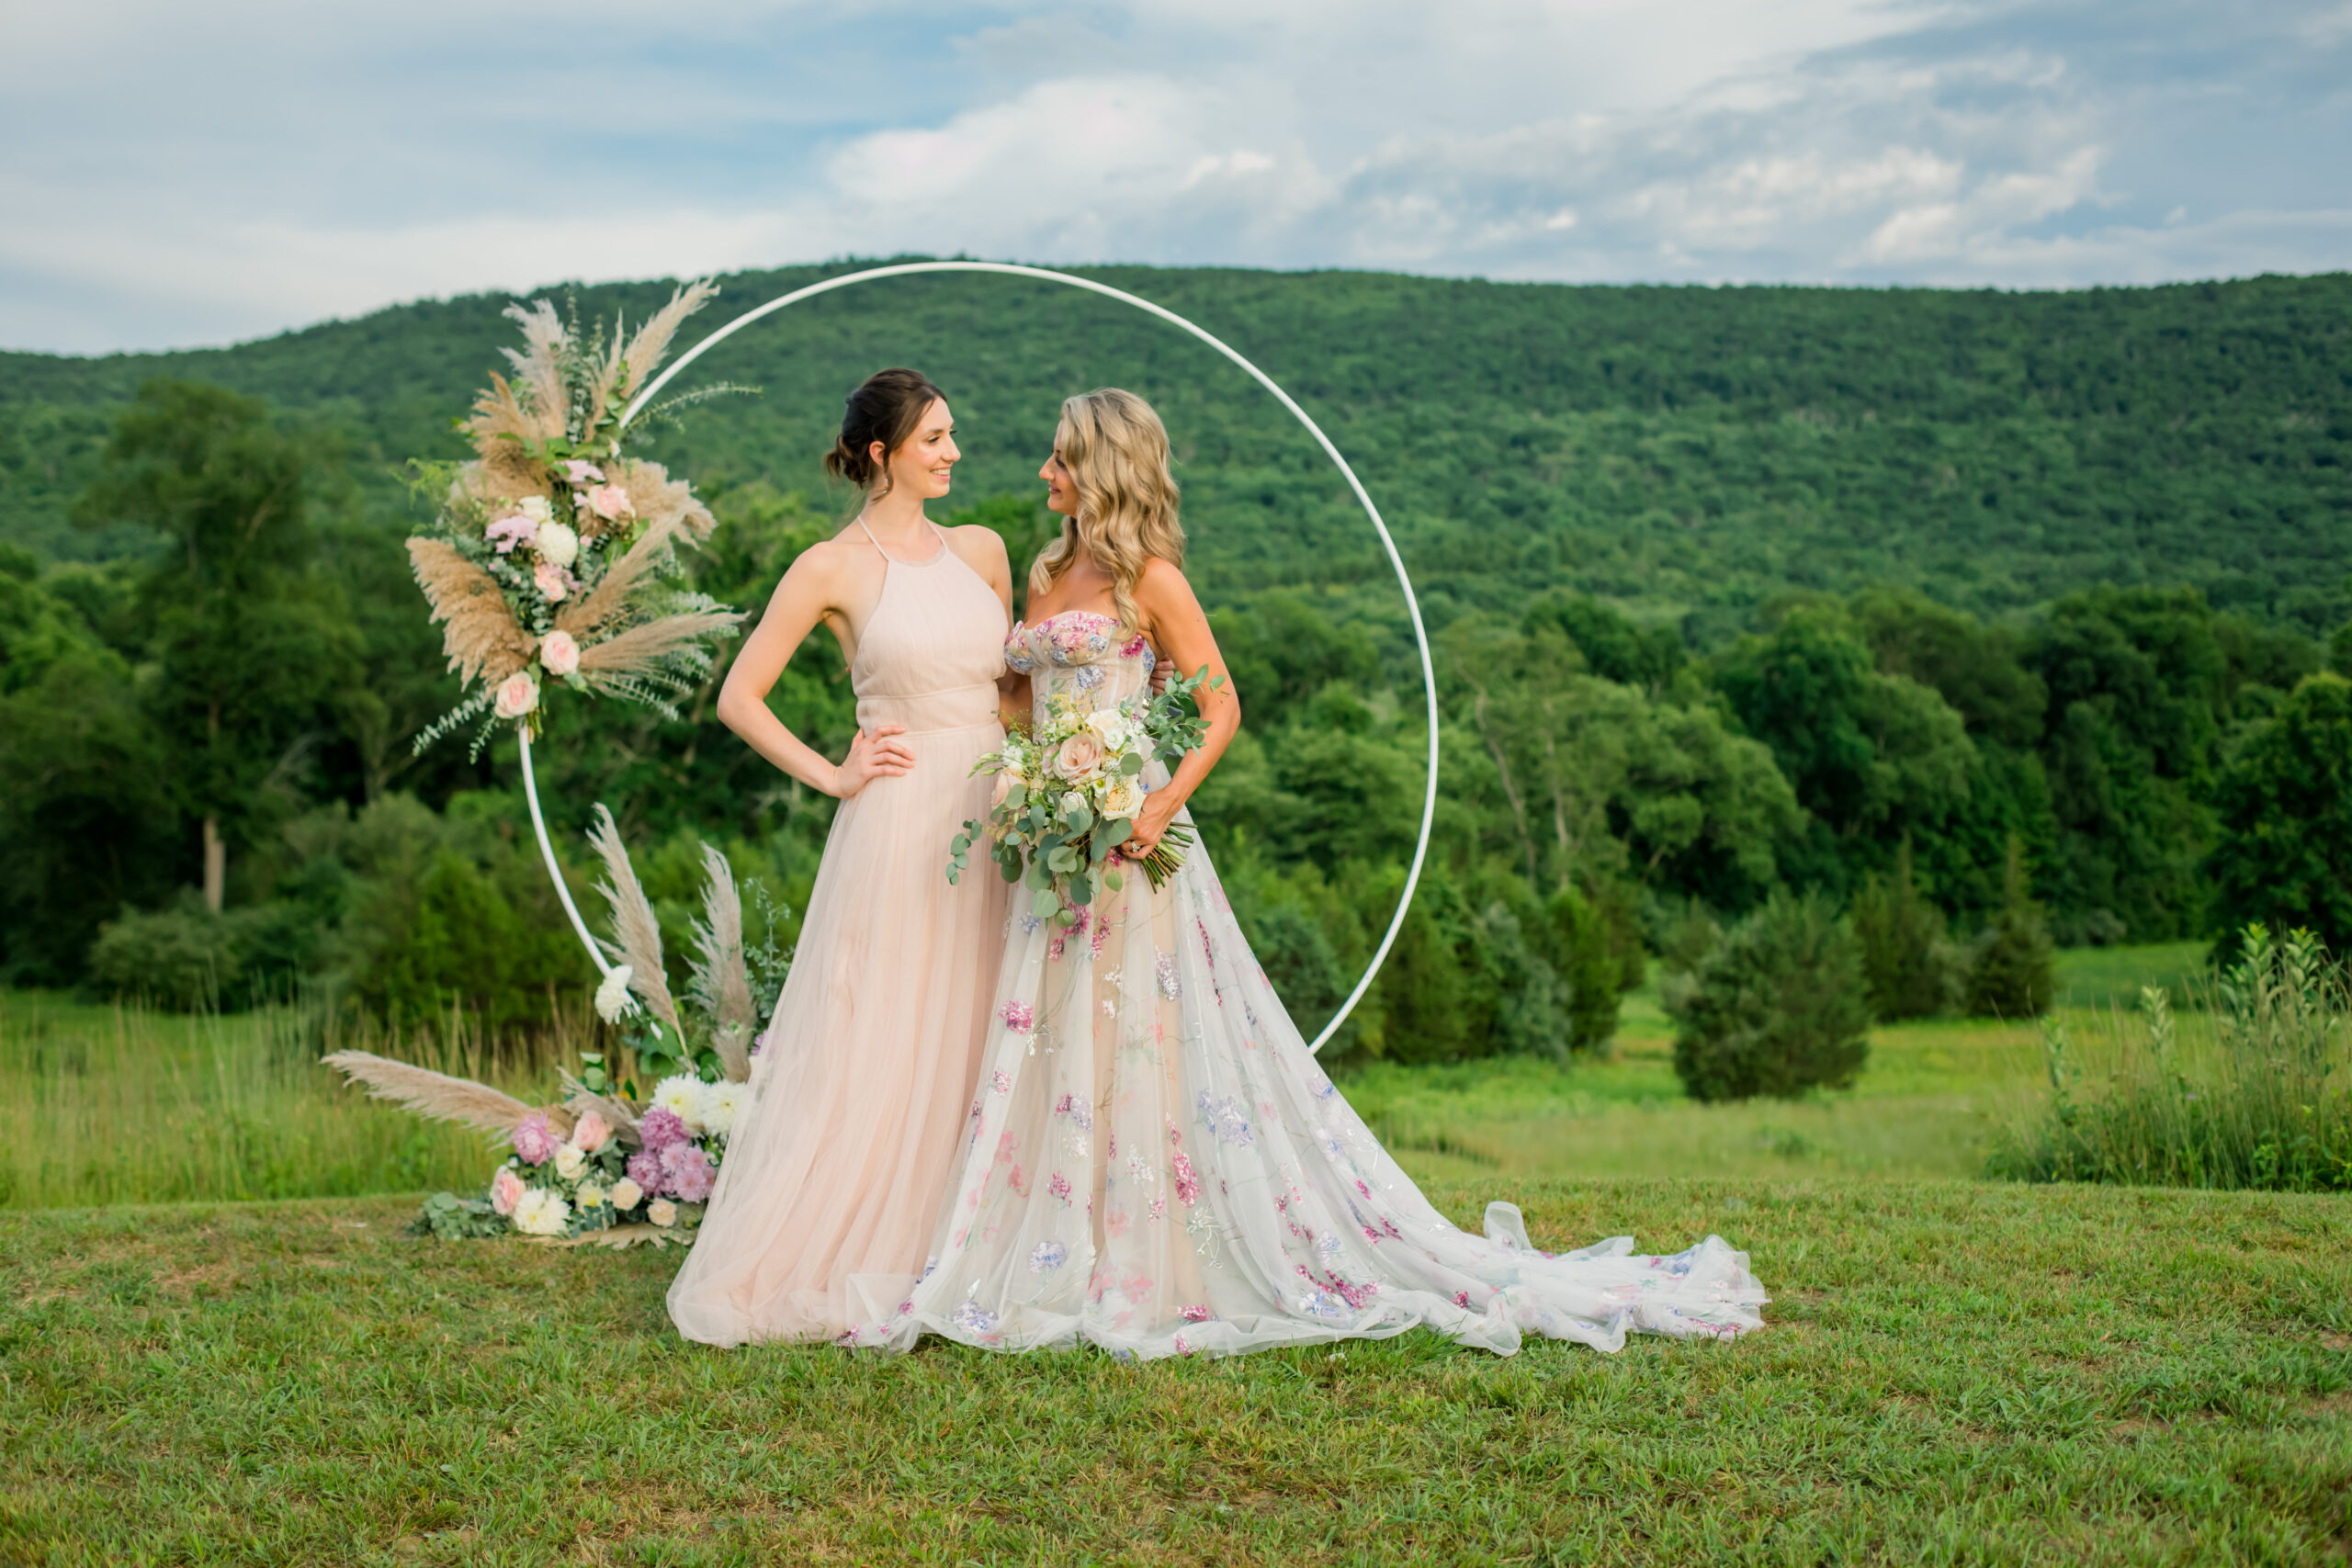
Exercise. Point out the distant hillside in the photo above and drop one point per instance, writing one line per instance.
(1688, 452)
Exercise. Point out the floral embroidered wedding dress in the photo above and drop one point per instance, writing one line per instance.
(1153, 1162)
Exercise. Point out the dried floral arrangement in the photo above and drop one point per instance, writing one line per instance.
(612, 1162)
(552, 560)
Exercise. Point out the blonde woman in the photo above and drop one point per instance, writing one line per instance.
(1153, 1163)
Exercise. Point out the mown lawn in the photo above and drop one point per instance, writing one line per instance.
(1956, 1372)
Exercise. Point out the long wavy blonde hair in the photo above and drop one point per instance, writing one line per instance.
(1116, 452)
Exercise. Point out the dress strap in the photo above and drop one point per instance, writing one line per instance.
(872, 540)
(889, 558)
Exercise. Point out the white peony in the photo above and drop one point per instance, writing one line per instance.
(613, 1001)
(557, 544)
(541, 1212)
(627, 1194)
(662, 1211)
(591, 1195)
(1122, 797)
(534, 507)
(720, 1104)
(570, 1161)
(681, 1097)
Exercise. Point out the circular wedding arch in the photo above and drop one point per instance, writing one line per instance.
(909, 269)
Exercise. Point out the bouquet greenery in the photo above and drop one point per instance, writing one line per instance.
(1068, 792)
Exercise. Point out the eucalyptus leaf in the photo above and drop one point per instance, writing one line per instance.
(1044, 903)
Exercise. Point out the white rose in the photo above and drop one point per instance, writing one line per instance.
(683, 1096)
(534, 507)
(570, 1161)
(1122, 797)
(1073, 801)
(591, 1195)
(556, 544)
(541, 1212)
(1112, 726)
(662, 1211)
(613, 1001)
(517, 695)
(627, 1194)
(721, 1103)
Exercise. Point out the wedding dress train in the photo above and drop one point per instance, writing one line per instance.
(1153, 1163)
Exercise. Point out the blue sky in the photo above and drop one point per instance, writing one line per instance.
(176, 174)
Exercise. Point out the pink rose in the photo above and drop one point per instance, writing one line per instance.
(517, 695)
(558, 653)
(609, 501)
(592, 1132)
(1080, 756)
(551, 582)
(505, 1189)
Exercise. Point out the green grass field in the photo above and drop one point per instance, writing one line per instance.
(1957, 1371)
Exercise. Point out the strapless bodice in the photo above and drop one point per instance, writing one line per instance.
(1079, 659)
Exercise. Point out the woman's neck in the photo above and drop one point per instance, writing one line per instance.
(896, 518)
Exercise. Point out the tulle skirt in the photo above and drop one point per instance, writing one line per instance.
(829, 1195)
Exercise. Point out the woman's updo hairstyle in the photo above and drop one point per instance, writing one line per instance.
(887, 408)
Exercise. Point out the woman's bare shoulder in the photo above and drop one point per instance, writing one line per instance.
(1162, 581)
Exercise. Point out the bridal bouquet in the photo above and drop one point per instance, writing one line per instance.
(1066, 795)
(551, 556)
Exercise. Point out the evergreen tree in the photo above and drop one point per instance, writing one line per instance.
(1903, 963)
(2010, 977)
(1776, 1009)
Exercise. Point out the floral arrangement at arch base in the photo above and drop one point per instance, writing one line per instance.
(552, 558)
(625, 1154)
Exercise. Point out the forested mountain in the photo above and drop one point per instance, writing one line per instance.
(1732, 589)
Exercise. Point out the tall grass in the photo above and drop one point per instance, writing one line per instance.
(2257, 1094)
(118, 1104)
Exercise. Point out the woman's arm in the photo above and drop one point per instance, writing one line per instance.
(810, 588)
(1173, 619)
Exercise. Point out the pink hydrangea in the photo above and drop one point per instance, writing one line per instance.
(533, 1140)
(689, 1172)
(645, 1169)
(660, 1127)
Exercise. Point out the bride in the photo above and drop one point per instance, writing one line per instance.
(1152, 1162)
(825, 1204)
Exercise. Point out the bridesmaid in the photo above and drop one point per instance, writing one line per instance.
(825, 1206)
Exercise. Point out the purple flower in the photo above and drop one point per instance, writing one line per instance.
(688, 1170)
(660, 1127)
(645, 1169)
(533, 1139)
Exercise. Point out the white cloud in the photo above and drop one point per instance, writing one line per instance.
(260, 163)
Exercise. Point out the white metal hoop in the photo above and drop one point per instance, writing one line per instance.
(1412, 605)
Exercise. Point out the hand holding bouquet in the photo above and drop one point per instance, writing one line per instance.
(1067, 796)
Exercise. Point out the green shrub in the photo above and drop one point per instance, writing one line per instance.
(2009, 972)
(1909, 969)
(184, 957)
(1776, 1009)
(2263, 1104)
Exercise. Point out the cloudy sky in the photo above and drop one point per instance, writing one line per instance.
(176, 174)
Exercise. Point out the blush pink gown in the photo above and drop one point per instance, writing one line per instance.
(827, 1201)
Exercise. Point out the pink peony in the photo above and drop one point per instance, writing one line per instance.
(533, 1140)
(689, 1172)
(559, 653)
(645, 1169)
(505, 1189)
(660, 1127)
(609, 501)
(592, 1133)
(578, 471)
(1080, 756)
(550, 581)
(517, 695)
